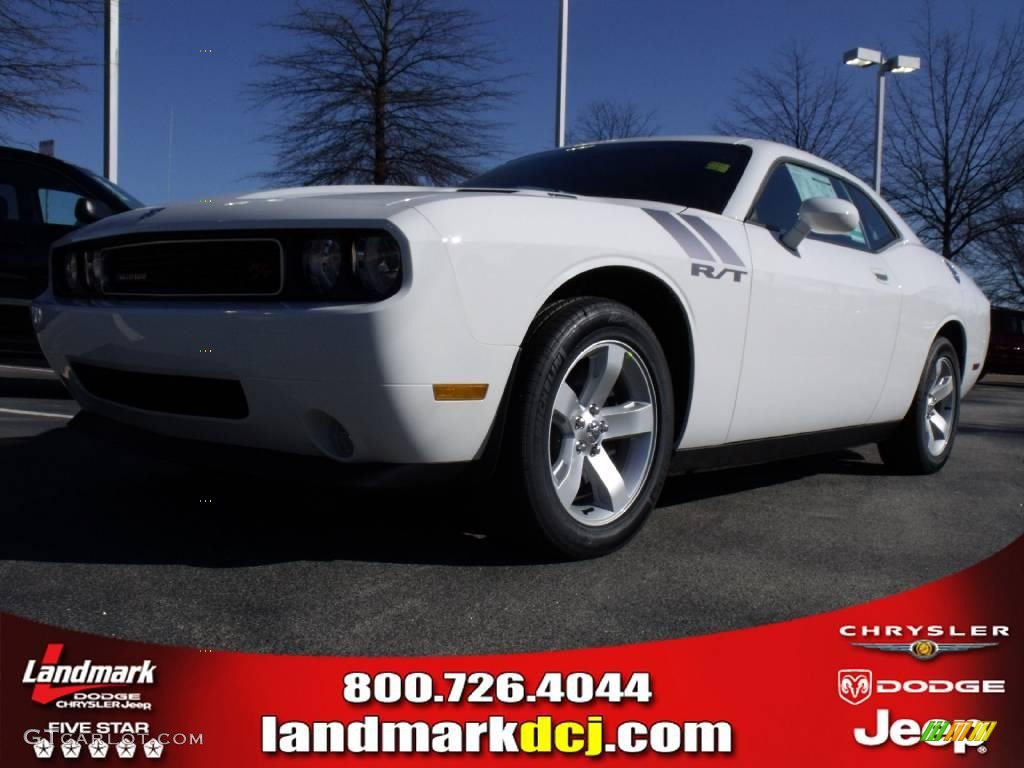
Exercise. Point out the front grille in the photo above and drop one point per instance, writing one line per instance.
(255, 265)
(193, 268)
(183, 395)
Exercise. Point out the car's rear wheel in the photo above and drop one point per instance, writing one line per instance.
(924, 440)
(595, 417)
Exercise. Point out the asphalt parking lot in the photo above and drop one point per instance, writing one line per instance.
(99, 536)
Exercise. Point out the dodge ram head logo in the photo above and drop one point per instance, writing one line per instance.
(855, 685)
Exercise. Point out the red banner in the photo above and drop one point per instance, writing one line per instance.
(932, 676)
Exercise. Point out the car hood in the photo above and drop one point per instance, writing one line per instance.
(304, 207)
(272, 209)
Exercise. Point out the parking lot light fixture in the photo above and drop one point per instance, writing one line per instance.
(898, 65)
(862, 57)
(901, 65)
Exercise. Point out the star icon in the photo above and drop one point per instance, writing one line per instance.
(126, 749)
(43, 749)
(71, 749)
(98, 747)
(154, 748)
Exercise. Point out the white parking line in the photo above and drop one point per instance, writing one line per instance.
(43, 414)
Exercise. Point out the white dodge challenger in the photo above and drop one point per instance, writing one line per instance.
(586, 320)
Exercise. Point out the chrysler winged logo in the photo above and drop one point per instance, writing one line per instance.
(855, 685)
(924, 650)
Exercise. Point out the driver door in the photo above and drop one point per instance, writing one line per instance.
(823, 318)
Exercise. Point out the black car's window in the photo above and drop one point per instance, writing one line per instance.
(8, 202)
(57, 207)
(127, 200)
(47, 198)
(1007, 323)
(790, 185)
(697, 174)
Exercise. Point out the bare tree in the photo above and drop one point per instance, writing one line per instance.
(604, 119)
(798, 102)
(957, 150)
(383, 92)
(997, 262)
(38, 63)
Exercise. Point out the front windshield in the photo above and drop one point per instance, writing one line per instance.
(116, 191)
(697, 174)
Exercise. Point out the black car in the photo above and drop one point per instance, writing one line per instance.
(1006, 344)
(41, 200)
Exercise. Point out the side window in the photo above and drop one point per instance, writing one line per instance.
(1007, 324)
(877, 228)
(779, 203)
(811, 183)
(8, 202)
(790, 185)
(58, 207)
(1002, 323)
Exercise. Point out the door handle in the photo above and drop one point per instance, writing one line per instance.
(880, 276)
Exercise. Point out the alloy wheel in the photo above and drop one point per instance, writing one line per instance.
(603, 432)
(940, 408)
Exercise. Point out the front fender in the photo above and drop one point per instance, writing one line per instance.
(511, 252)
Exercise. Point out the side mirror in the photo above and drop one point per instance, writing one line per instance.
(825, 216)
(88, 210)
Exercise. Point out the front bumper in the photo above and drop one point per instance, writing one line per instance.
(350, 382)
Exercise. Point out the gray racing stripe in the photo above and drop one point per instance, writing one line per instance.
(715, 240)
(691, 245)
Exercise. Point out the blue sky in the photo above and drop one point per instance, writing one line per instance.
(679, 57)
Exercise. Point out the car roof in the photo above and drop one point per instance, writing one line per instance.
(93, 183)
(43, 161)
(30, 156)
(761, 146)
(1008, 311)
(766, 153)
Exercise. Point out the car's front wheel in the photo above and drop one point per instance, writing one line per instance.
(924, 440)
(595, 416)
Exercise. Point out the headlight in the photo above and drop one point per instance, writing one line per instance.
(377, 264)
(94, 270)
(71, 271)
(322, 263)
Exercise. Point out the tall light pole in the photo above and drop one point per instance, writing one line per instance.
(898, 65)
(563, 61)
(111, 59)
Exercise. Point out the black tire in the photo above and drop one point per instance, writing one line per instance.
(561, 334)
(907, 450)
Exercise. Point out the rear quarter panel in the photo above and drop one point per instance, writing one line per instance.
(932, 297)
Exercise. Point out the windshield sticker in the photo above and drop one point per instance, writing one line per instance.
(810, 184)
